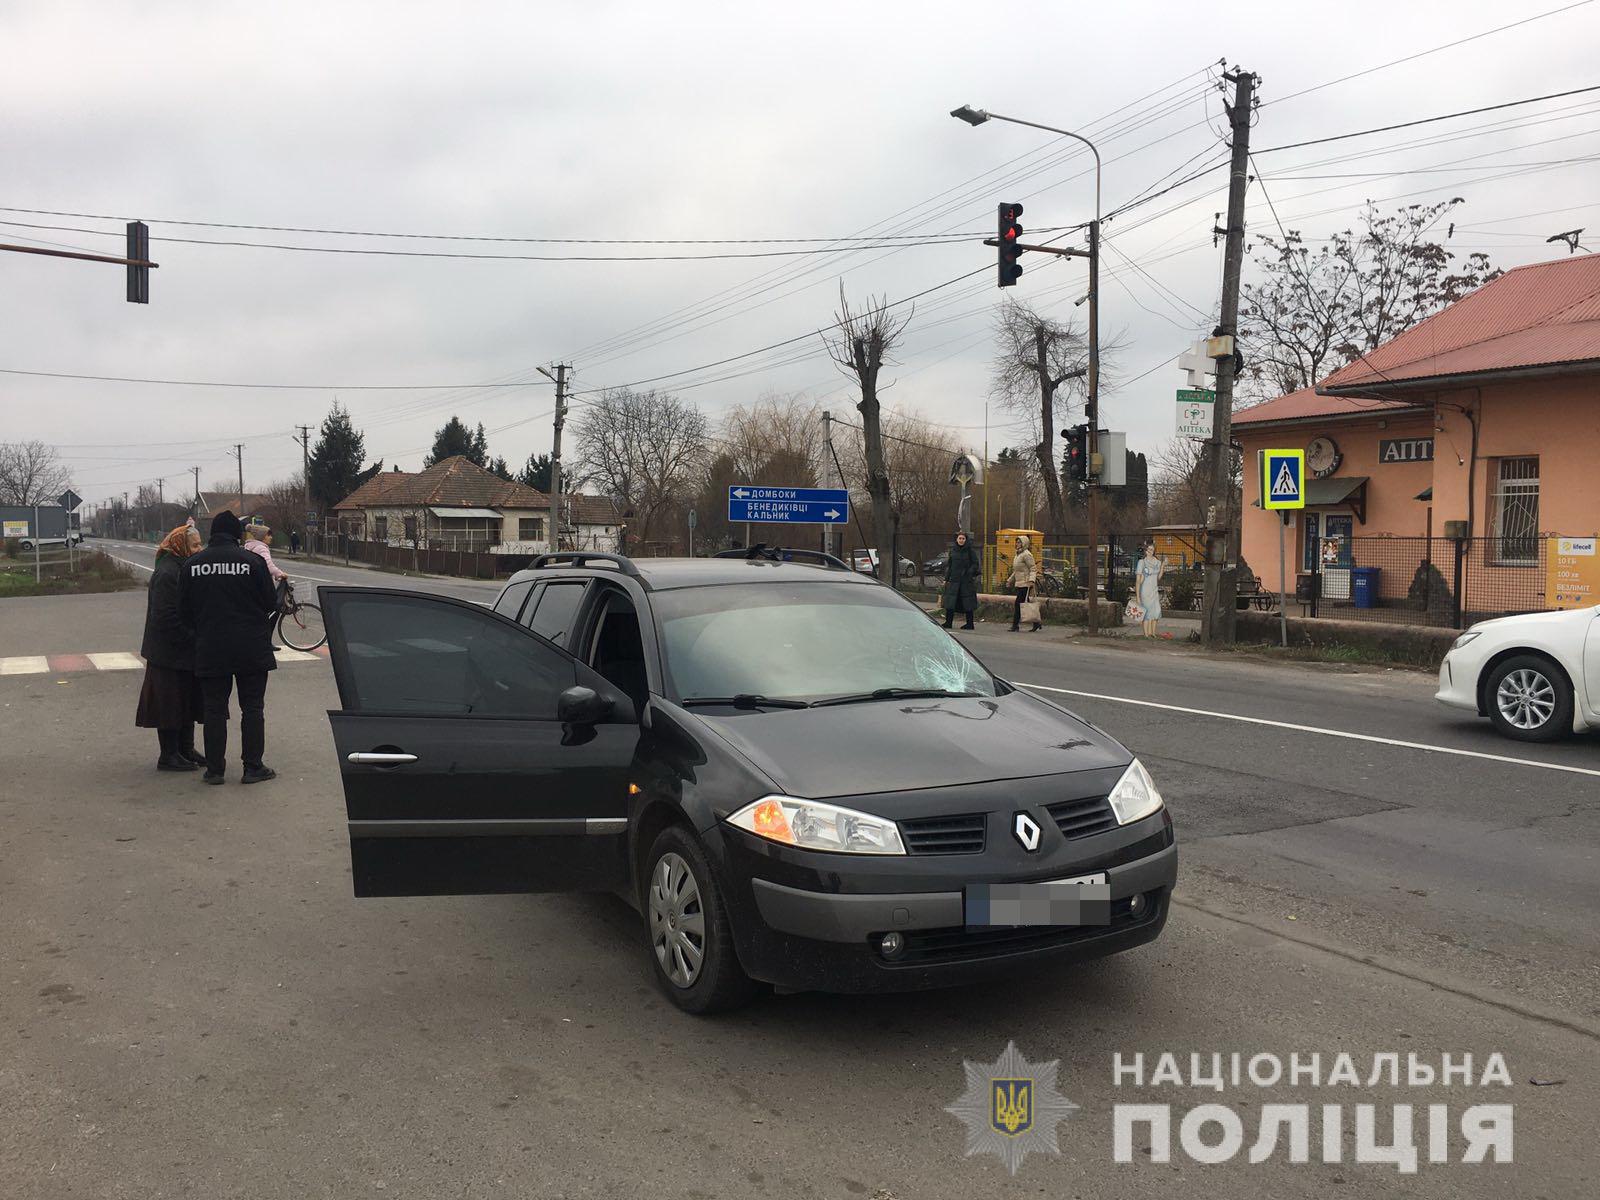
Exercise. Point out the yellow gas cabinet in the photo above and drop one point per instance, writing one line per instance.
(998, 564)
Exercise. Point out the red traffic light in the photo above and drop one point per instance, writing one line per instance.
(1008, 235)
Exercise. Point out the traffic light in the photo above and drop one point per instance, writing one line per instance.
(1077, 456)
(1009, 237)
(138, 277)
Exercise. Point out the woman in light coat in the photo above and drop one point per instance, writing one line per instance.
(1024, 572)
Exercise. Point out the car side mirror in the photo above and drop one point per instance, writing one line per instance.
(582, 706)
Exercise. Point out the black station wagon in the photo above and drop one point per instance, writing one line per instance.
(795, 776)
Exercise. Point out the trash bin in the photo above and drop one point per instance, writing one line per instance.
(1364, 586)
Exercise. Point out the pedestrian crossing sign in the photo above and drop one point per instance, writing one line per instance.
(1283, 479)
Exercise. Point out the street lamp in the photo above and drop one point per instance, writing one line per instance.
(977, 116)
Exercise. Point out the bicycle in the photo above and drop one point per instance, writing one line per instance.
(300, 626)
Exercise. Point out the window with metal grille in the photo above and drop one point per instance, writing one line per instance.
(1515, 511)
(530, 529)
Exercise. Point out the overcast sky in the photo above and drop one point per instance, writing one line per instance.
(684, 120)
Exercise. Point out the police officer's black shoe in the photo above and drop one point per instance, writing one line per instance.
(213, 777)
(258, 774)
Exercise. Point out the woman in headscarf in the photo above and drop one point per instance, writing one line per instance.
(961, 571)
(1023, 573)
(169, 701)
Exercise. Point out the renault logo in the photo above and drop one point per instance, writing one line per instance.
(1026, 830)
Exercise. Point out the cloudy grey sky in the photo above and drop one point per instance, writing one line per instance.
(685, 120)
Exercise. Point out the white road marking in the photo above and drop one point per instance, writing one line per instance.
(25, 665)
(1336, 733)
(116, 660)
(128, 562)
(290, 655)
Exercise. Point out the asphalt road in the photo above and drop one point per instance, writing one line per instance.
(195, 1005)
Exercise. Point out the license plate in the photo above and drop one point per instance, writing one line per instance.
(1080, 900)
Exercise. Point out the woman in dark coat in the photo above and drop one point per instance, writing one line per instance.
(961, 572)
(169, 701)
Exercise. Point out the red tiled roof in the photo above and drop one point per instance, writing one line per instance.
(593, 510)
(1542, 315)
(456, 482)
(1306, 403)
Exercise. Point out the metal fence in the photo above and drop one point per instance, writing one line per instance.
(1443, 582)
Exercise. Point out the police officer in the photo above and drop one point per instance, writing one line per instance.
(228, 599)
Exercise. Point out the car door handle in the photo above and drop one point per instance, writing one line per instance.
(380, 758)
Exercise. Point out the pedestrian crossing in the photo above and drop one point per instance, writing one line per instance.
(115, 660)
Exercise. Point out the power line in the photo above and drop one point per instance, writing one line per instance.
(279, 387)
(1468, 112)
(942, 240)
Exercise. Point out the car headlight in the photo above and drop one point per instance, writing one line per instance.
(1464, 639)
(1135, 796)
(812, 825)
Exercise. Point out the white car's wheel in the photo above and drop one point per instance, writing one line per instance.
(1529, 699)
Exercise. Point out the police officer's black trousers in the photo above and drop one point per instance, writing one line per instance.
(252, 718)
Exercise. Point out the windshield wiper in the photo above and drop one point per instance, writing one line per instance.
(744, 700)
(891, 693)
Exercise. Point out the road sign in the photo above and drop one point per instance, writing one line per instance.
(787, 505)
(1283, 479)
(1196, 412)
(69, 499)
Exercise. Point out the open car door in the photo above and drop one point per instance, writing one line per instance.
(476, 756)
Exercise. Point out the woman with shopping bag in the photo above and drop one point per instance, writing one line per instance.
(1023, 574)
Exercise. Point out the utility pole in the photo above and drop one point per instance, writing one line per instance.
(238, 452)
(560, 378)
(827, 440)
(1091, 412)
(305, 478)
(161, 501)
(196, 471)
(1218, 620)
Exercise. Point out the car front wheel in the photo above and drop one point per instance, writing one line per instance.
(691, 945)
(1529, 699)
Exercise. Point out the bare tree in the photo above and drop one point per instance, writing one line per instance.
(861, 342)
(645, 449)
(284, 500)
(1180, 490)
(31, 473)
(1309, 314)
(1036, 360)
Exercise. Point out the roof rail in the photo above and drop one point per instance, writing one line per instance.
(584, 558)
(768, 553)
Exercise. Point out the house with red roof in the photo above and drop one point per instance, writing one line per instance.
(1481, 421)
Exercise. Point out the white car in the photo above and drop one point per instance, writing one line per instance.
(28, 543)
(1536, 676)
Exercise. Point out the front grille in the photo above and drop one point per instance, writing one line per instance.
(961, 834)
(955, 944)
(1083, 818)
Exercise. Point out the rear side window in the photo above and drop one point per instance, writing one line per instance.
(510, 602)
(556, 608)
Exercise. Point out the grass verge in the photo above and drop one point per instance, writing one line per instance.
(95, 573)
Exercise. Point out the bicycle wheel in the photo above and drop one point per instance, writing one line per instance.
(301, 628)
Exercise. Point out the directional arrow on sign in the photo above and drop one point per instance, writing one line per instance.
(740, 492)
(832, 514)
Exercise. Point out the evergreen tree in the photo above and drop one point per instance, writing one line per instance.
(535, 473)
(455, 438)
(497, 466)
(336, 459)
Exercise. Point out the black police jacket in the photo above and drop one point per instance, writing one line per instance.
(229, 600)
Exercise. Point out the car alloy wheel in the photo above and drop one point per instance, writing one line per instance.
(1526, 699)
(677, 920)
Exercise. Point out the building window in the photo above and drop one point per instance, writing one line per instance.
(1514, 511)
(530, 529)
(411, 530)
(380, 528)
(467, 533)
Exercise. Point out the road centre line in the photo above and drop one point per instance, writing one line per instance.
(1336, 733)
